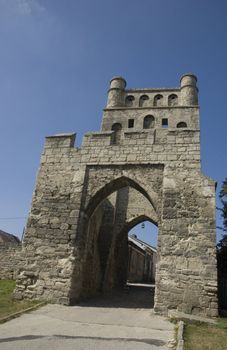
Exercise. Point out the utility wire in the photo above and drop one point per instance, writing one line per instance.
(15, 218)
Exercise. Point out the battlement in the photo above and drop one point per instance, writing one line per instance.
(140, 132)
(185, 95)
(152, 108)
(149, 137)
(155, 145)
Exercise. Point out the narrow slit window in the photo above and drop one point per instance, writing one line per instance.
(165, 123)
(131, 123)
(116, 136)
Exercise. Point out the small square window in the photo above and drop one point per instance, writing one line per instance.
(131, 123)
(165, 123)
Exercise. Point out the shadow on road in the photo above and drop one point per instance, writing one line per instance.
(134, 296)
(148, 341)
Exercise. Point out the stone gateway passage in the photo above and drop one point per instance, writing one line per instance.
(144, 164)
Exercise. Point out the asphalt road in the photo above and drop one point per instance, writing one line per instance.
(120, 322)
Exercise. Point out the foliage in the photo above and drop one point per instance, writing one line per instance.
(222, 251)
(223, 198)
(222, 245)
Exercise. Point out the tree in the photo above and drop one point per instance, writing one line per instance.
(222, 250)
(223, 198)
(222, 245)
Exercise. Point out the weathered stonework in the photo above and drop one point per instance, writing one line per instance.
(144, 164)
(11, 260)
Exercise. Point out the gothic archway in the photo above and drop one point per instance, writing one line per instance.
(107, 222)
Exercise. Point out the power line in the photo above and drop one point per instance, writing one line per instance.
(15, 218)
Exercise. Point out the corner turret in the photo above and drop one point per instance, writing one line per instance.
(116, 92)
(189, 90)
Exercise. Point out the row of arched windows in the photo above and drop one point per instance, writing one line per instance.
(148, 123)
(158, 100)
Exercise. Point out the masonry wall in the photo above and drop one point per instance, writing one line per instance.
(136, 265)
(174, 116)
(162, 165)
(11, 260)
(52, 227)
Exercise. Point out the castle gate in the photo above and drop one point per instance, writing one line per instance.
(143, 164)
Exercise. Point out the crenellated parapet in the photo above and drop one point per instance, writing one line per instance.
(184, 95)
(139, 109)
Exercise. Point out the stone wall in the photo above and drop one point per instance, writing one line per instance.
(160, 164)
(11, 260)
(136, 265)
(141, 263)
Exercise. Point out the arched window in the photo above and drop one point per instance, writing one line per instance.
(148, 122)
(158, 100)
(182, 125)
(129, 101)
(172, 100)
(116, 136)
(143, 100)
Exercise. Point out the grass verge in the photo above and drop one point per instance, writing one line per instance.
(201, 336)
(8, 305)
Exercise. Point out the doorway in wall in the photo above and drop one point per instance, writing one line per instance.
(114, 221)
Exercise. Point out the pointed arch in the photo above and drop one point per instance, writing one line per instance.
(138, 219)
(111, 187)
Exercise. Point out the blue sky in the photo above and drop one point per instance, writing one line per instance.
(57, 57)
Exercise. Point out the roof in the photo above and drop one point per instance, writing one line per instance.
(8, 238)
(141, 244)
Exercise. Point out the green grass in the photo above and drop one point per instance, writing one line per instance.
(201, 336)
(8, 305)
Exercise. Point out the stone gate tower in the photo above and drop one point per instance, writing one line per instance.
(144, 164)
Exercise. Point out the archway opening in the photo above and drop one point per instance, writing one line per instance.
(146, 231)
(142, 258)
(111, 218)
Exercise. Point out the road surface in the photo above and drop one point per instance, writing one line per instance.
(122, 321)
